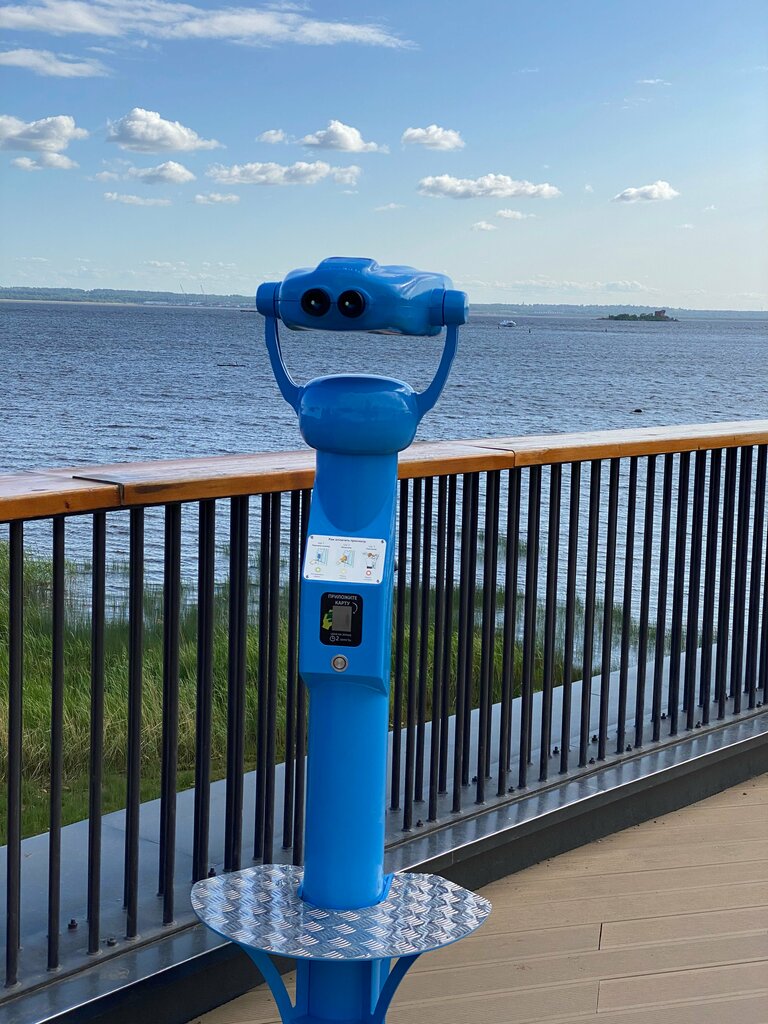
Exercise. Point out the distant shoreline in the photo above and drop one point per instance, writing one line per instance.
(172, 300)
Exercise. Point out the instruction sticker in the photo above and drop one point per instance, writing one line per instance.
(344, 559)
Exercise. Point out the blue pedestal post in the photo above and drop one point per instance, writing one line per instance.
(351, 919)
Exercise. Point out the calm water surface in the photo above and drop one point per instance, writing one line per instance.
(93, 384)
(98, 384)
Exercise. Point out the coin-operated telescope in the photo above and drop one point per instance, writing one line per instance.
(342, 917)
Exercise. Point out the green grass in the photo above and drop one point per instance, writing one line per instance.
(36, 762)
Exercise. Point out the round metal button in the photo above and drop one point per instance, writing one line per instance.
(339, 663)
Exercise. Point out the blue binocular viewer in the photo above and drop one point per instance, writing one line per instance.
(353, 929)
(352, 294)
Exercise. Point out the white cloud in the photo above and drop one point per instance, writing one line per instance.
(483, 225)
(647, 193)
(708, 209)
(163, 19)
(116, 197)
(433, 137)
(273, 136)
(514, 215)
(687, 227)
(26, 163)
(300, 173)
(652, 81)
(489, 186)
(388, 206)
(344, 137)
(56, 161)
(346, 175)
(168, 173)
(212, 198)
(43, 62)
(588, 188)
(144, 131)
(106, 176)
(48, 135)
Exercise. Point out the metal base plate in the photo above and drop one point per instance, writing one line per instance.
(260, 908)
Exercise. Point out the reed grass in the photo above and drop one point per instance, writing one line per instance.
(36, 728)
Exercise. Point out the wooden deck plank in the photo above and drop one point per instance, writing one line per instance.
(736, 1009)
(492, 947)
(626, 883)
(679, 986)
(611, 861)
(684, 926)
(479, 1007)
(507, 916)
(693, 834)
(562, 969)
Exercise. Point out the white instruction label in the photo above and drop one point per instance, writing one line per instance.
(344, 559)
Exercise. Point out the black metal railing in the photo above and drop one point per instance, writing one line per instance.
(549, 618)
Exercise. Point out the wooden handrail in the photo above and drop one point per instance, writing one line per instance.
(41, 493)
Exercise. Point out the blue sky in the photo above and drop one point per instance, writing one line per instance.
(579, 151)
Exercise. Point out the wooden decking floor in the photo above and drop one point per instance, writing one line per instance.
(664, 922)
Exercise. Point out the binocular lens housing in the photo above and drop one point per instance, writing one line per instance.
(316, 302)
(351, 304)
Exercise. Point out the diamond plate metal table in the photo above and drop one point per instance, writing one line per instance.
(261, 910)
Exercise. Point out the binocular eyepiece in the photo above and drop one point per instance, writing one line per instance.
(347, 294)
(317, 302)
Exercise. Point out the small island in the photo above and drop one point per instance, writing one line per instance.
(659, 314)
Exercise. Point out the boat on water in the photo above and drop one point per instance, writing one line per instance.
(507, 323)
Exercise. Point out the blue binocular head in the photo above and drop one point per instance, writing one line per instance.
(353, 294)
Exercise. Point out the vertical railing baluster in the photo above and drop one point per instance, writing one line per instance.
(291, 673)
(469, 625)
(645, 598)
(426, 570)
(550, 619)
(206, 554)
(494, 593)
(301, 718)
(740, 583)
(438, 668)
(610, 582)
(511, 560)
(694, 589)
(529, 625)
(465, 584)
(135, 687)
(589, 611)
(574, 499)
(171, 617)
(272, 670)
(661, 601)
(488, 635)
(710, 583)
(678, 591)
(413, 648)
(401, 594)
(265, 601)
(626, 605)
(96, 738)
(238, 616)
(448, 634)
(57, 751)
(726, 566)
(755, 577)
(13, 773)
